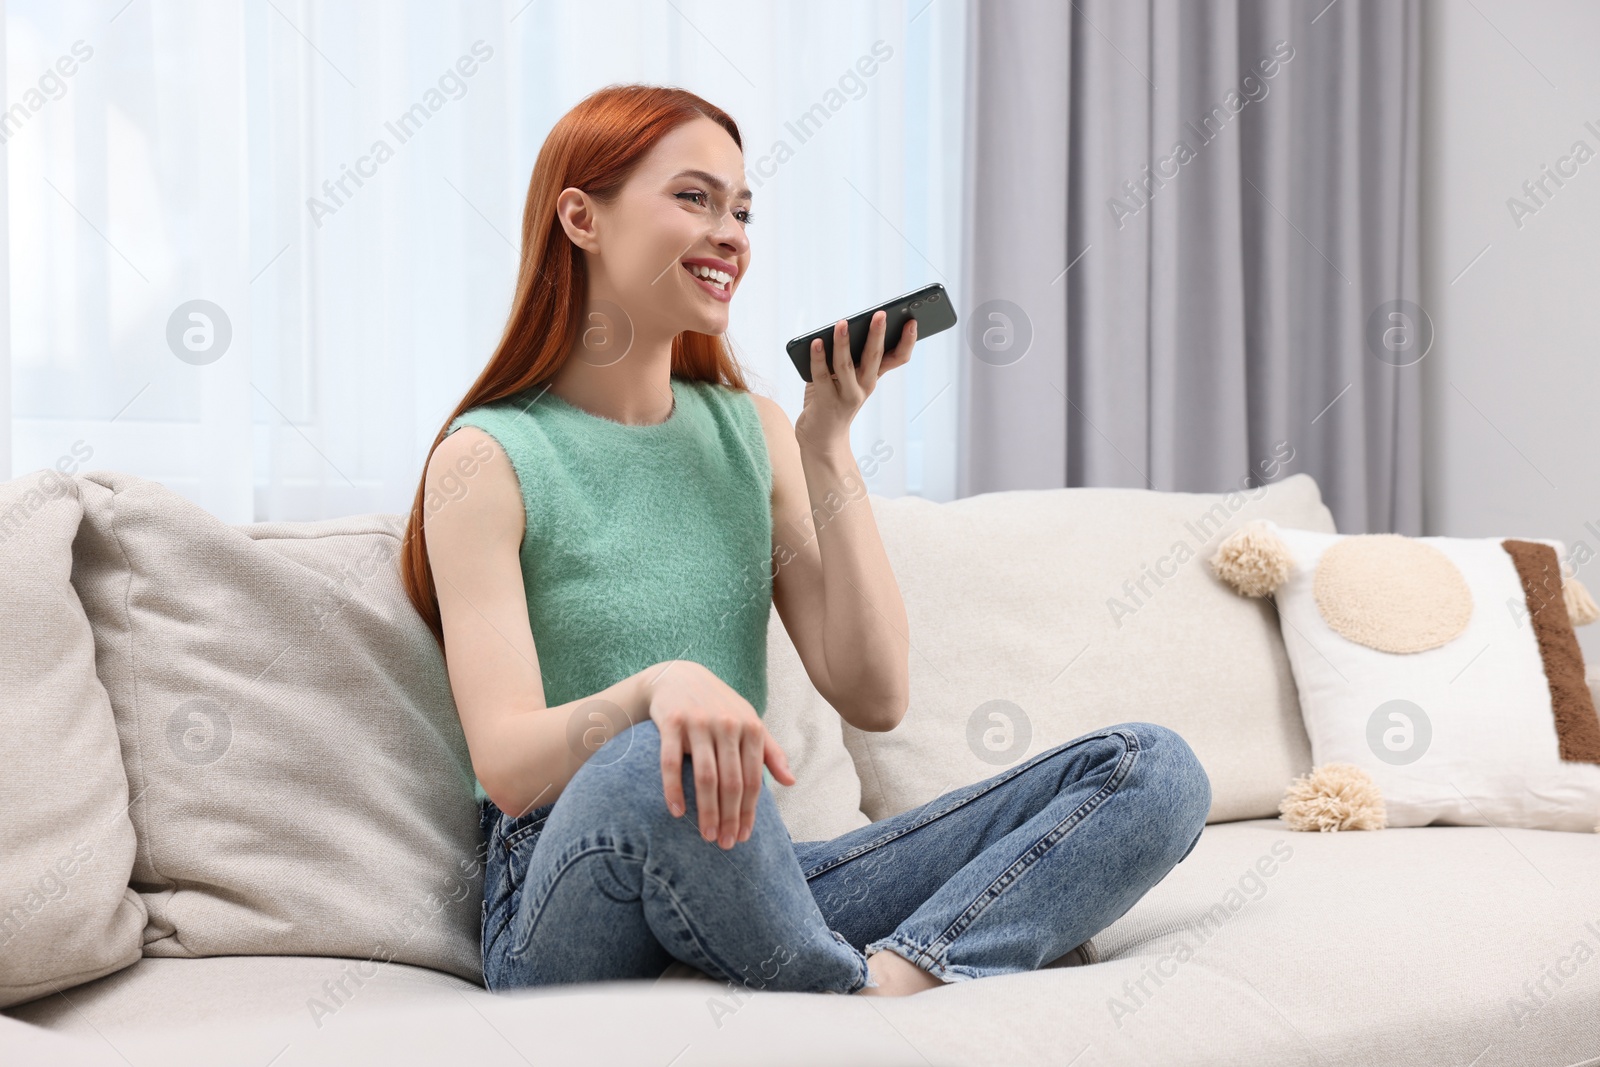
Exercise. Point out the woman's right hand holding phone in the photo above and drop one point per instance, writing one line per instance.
(702, 717)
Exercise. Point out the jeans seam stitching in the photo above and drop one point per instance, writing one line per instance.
(1054, 837)
(483, 924)
(992, 785)
(862, 850)
(546, 890)
(683, 915)
(516, 836)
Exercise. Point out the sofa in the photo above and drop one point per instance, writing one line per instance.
(241, 826)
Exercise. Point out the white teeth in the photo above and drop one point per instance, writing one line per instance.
(718, 278)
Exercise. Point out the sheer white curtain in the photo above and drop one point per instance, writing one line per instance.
(257, 250)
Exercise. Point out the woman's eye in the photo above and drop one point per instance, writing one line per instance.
(744, 215)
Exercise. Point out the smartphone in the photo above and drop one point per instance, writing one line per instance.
(930, 306)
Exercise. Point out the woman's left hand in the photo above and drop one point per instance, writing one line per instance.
(831, 401)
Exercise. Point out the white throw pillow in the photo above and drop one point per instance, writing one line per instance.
(1431, 665)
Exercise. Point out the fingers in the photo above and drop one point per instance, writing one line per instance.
(672, 768)
(777, 760)
(873, 355)
(704, 754)
(750, 751)
(819, 364)
(844, 368)
(841, 348)
(730, 787)
(901, 353)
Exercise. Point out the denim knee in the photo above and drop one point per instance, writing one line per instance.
(1167, 757)
(622, 779)
(623, 775)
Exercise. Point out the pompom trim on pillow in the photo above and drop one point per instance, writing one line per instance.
(1581, 608)
(1253, 560)
(1333, 797)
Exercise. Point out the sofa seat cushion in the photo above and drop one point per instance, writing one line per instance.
(1037, 616)
(180, 1011)
(164, 993)
(1430, 945)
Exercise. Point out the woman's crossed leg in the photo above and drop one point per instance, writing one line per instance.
(1011, 873)
(1003, 875)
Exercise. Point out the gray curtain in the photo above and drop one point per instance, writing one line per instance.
(1192, 250)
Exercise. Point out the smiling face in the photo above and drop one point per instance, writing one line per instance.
(680, 216)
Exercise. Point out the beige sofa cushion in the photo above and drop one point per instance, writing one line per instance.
(1024, 635)
(825, 800)
(288, 720)
(1264, 946)
(66, 842)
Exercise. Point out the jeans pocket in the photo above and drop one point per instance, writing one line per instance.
(524, 829)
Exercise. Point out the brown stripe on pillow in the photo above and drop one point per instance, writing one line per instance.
(1577, 725)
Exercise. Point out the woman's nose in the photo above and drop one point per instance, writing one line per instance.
(730, 233)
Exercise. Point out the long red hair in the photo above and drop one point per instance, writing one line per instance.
(594, 147)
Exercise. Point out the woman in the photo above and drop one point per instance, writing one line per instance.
(605, 521)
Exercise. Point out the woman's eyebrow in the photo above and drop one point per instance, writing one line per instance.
(712, 180)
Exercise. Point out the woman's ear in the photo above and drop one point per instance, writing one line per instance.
(576, 210)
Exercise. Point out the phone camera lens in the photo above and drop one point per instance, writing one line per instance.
(932, 297)
(916, 303)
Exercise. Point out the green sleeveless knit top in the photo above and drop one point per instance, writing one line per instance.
(643, 543)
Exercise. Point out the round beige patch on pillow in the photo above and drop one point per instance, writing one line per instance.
(1391, 593)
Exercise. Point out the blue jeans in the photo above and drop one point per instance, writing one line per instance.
(1001, 876)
